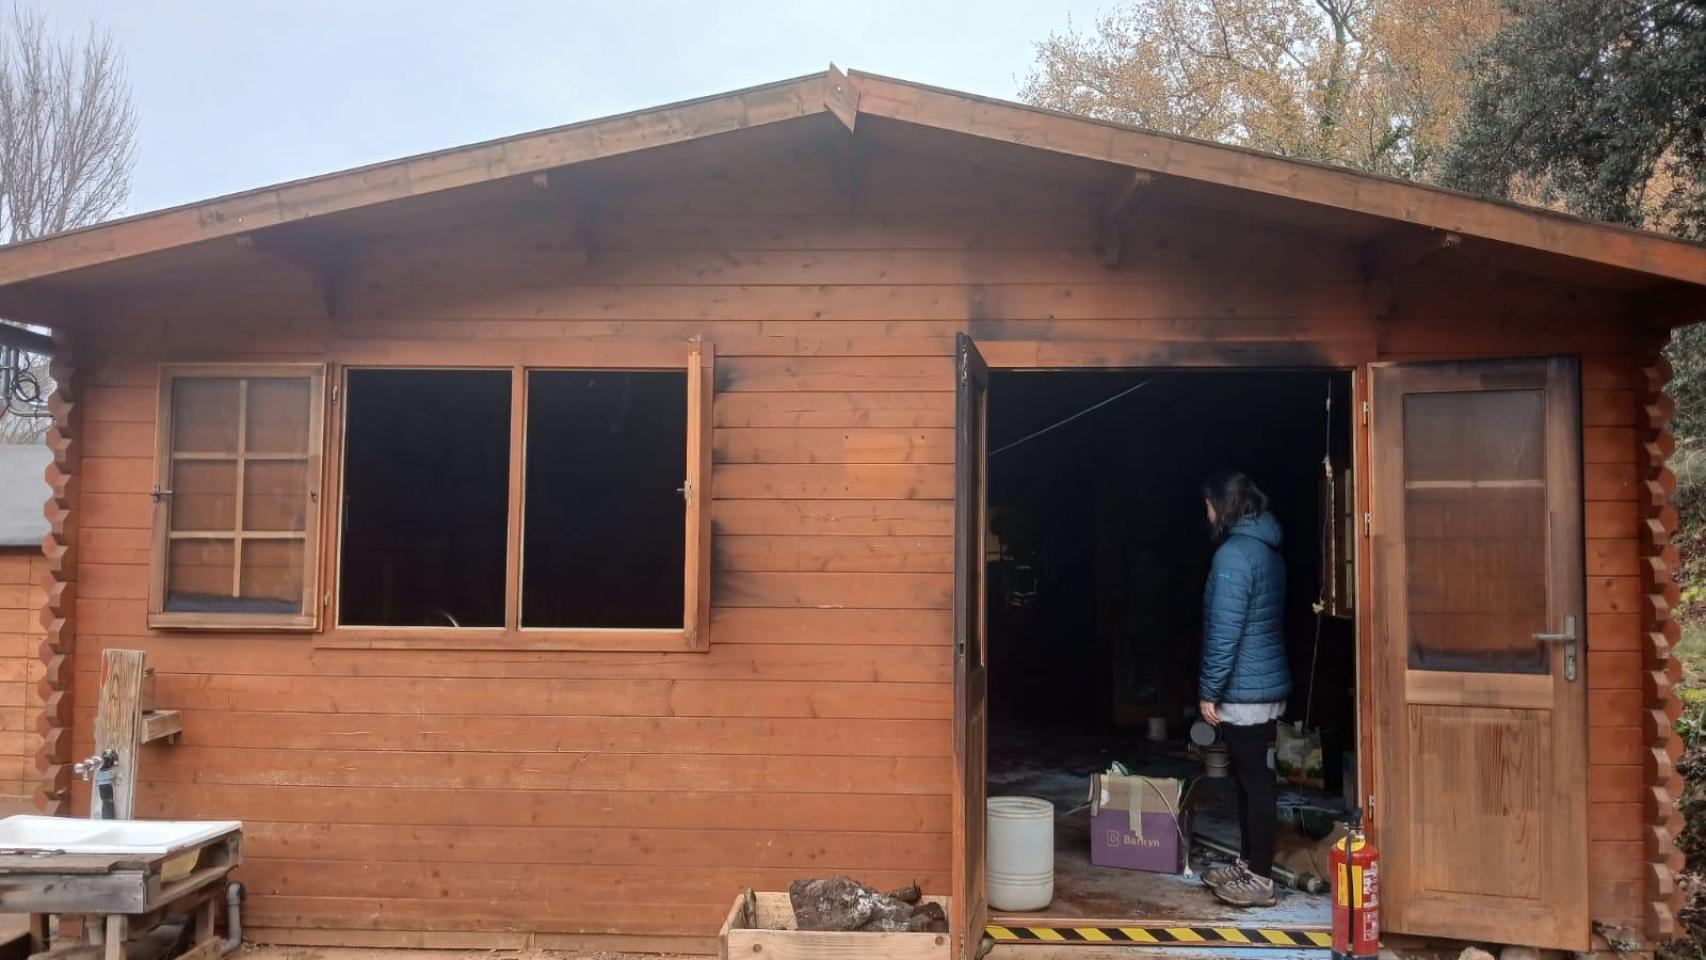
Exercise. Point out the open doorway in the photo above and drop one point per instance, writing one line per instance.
(1097, 557)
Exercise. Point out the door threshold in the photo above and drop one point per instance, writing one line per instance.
(1078, 931)
(1138, 951)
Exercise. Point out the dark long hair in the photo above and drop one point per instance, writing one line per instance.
(1234, 496)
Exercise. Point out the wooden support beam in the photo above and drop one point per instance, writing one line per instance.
(36, 305)
(558, 196)
(1120, 201)
(1401, 249)
(847, 151)
(840, 97)
(325, 260)
(1674, 305)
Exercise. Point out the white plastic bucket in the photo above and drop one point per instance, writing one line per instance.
(1021, 853)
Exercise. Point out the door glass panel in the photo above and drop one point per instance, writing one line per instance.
(1475, 519)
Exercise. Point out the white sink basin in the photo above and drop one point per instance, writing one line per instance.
(33, 834)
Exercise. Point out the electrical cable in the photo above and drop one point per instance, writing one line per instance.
(1320, 605)
(1174, 811)
(1061, 423)
(22, 393)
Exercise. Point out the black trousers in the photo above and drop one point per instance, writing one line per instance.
(1247, 747)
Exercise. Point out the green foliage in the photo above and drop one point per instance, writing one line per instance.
(1687, 353)
(1692, 839)
(1692, 652)
(1596, 104)
(1691, 726)
(1689, 465)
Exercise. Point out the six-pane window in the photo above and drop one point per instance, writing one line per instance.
(237, 496)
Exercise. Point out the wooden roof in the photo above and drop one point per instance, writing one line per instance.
(846, 97)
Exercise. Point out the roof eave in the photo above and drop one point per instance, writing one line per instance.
(419, 175)
(845, 98)
(1402, 201)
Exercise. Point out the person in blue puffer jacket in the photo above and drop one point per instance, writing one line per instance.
(1245, 676)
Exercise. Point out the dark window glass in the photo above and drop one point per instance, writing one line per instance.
(425, 498)
(605, 538)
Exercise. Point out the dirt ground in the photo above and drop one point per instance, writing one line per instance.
(364, 953)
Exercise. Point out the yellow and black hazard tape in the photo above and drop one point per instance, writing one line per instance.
(1182, 936)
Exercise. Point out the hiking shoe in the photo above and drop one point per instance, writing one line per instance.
(1224, 873)
(1247, 890)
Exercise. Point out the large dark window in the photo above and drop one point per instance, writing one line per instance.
(425, 498)
(604, 534)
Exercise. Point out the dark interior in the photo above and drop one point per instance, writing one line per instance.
(1095, 602)
(605, 536)
(425, 498)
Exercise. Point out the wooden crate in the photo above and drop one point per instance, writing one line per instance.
(761, 926)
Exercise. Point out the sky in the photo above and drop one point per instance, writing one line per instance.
(234, 94)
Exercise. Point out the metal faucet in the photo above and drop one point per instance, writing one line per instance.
(103, 767)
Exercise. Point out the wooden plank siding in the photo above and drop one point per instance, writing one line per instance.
(22, 570)
(445, 797)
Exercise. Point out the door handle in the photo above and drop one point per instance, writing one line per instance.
(1569, 639)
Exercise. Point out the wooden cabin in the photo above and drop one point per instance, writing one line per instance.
(23, 568)
(547, 538)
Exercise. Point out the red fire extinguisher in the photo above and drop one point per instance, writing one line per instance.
(1355, 867)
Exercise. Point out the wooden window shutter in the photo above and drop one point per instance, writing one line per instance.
(701, 387)
(237, 476)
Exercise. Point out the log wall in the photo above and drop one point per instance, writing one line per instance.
(21, 596)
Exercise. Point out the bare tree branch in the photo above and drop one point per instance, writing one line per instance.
(67, 128)
(67, 147)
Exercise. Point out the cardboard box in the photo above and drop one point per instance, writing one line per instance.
(1136, 823)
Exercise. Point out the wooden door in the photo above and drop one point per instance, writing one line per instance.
(971, 674)
(1481, 651)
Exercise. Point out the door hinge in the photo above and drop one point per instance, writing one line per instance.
(1367, 524)
(1365, 413)
(326, 600)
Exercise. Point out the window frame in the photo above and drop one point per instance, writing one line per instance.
(694, 357)
(160, 538)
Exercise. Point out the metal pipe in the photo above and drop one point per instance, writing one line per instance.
(1306, 882)
(233, 919)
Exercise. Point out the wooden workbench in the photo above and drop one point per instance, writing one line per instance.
(128, 893)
